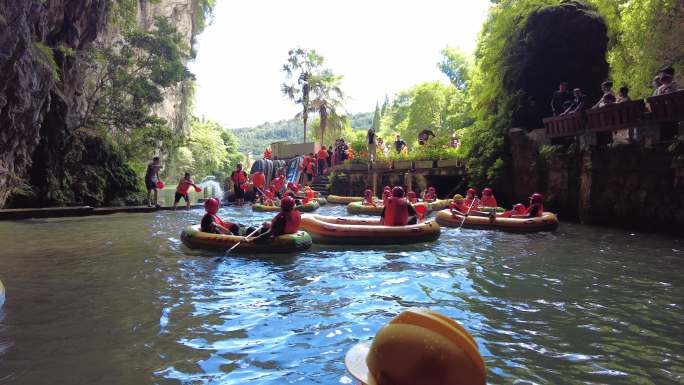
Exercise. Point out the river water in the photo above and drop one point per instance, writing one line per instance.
(119, 300)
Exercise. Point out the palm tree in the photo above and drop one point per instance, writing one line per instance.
(328, 101)
(305, 63)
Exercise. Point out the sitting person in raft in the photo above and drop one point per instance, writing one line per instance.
(471, 199)
(386, 194)
(430, 195)
(182, 190)
(310, 194)
(368, 199)
(397, 211)
(488, 199)
(211, 223)
(458, 206)
(536, 208)
(412, 197)
(519, 209)
(285, 222)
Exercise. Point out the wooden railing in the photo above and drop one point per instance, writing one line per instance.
(661, 109)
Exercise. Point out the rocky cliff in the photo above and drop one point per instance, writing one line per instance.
(44, 159)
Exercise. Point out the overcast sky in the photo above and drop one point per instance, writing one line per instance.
(379, 46)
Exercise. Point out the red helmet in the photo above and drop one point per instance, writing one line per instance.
(537, 198)
(398, 192)
(287, 203)
(519, 208)
(431, 189)
(487, 191)
(472, 191)
(212, 205)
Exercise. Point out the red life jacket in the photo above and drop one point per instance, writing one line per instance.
(468, 201)
(221, 222)
(292, 220)
(460, 207)
(488, 201)
(539, 206)
(238, 177)
(310, 194)
(183, 187)
(309, 166)
(259, 179)
(396, 212)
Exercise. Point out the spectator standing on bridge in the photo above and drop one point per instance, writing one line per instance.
(578, 103)
(607, 88)
(656, 84)
(623, 95)
(424, 136)
(371, 140)
(669, 85)
(560, 99)
(399, 144)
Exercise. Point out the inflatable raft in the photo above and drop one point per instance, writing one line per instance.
(343, 200)
(359, 208)
(439, 204)
(309, 207)
(290, 243)
(547, 222)
(361, 231)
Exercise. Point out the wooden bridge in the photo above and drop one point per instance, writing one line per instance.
(635, 114)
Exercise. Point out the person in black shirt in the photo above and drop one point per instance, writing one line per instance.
(578, 103)
(424, 136)
(560, 99)
(399, 144)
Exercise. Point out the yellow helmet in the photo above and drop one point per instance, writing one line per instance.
(458, 197)
(419, 347)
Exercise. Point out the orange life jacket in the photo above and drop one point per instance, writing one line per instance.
(292, 220)
(259, 179)
(468, 201)
(396, 212)
(488, 201)
(238, 177)
(183, 187)
(460, 207)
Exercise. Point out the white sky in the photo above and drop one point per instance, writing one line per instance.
(379, 46)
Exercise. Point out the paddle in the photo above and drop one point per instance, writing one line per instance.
(466, 215)
(219, 259)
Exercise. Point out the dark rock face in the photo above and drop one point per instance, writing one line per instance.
(568, 43)
(40, 83)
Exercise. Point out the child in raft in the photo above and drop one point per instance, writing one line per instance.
(471, 199)
(285, 222)
(211, 223)
(418, 346)
(518, 210)
(535, 209)
(182, 190)
(397, 211)
(430, 195)
(488, 199)
(309, 193)
(368, 199)
(458, 206)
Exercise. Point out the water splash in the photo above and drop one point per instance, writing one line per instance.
(211, 187)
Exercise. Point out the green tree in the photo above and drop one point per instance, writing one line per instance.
(328, 101)
(376, 118)
(128, 81)
(385, 106)
(456, 65)
(303, 65)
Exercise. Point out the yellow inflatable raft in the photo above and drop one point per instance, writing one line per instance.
(361, 231)
(290, 243)
(547, 222)
(309, 207)
(343, 200)
(360, 208)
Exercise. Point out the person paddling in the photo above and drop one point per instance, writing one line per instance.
(182, 190)
(471, 198)
(488, 199)
(458, 206)
(397, 211)
(536, 207)
(285, 222)
(212, 223)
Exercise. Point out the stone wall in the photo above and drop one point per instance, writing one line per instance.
(628, 186)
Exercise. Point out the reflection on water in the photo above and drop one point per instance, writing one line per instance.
(119, 300)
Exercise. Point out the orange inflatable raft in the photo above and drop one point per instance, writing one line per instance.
(547, 222)
(362, 231)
